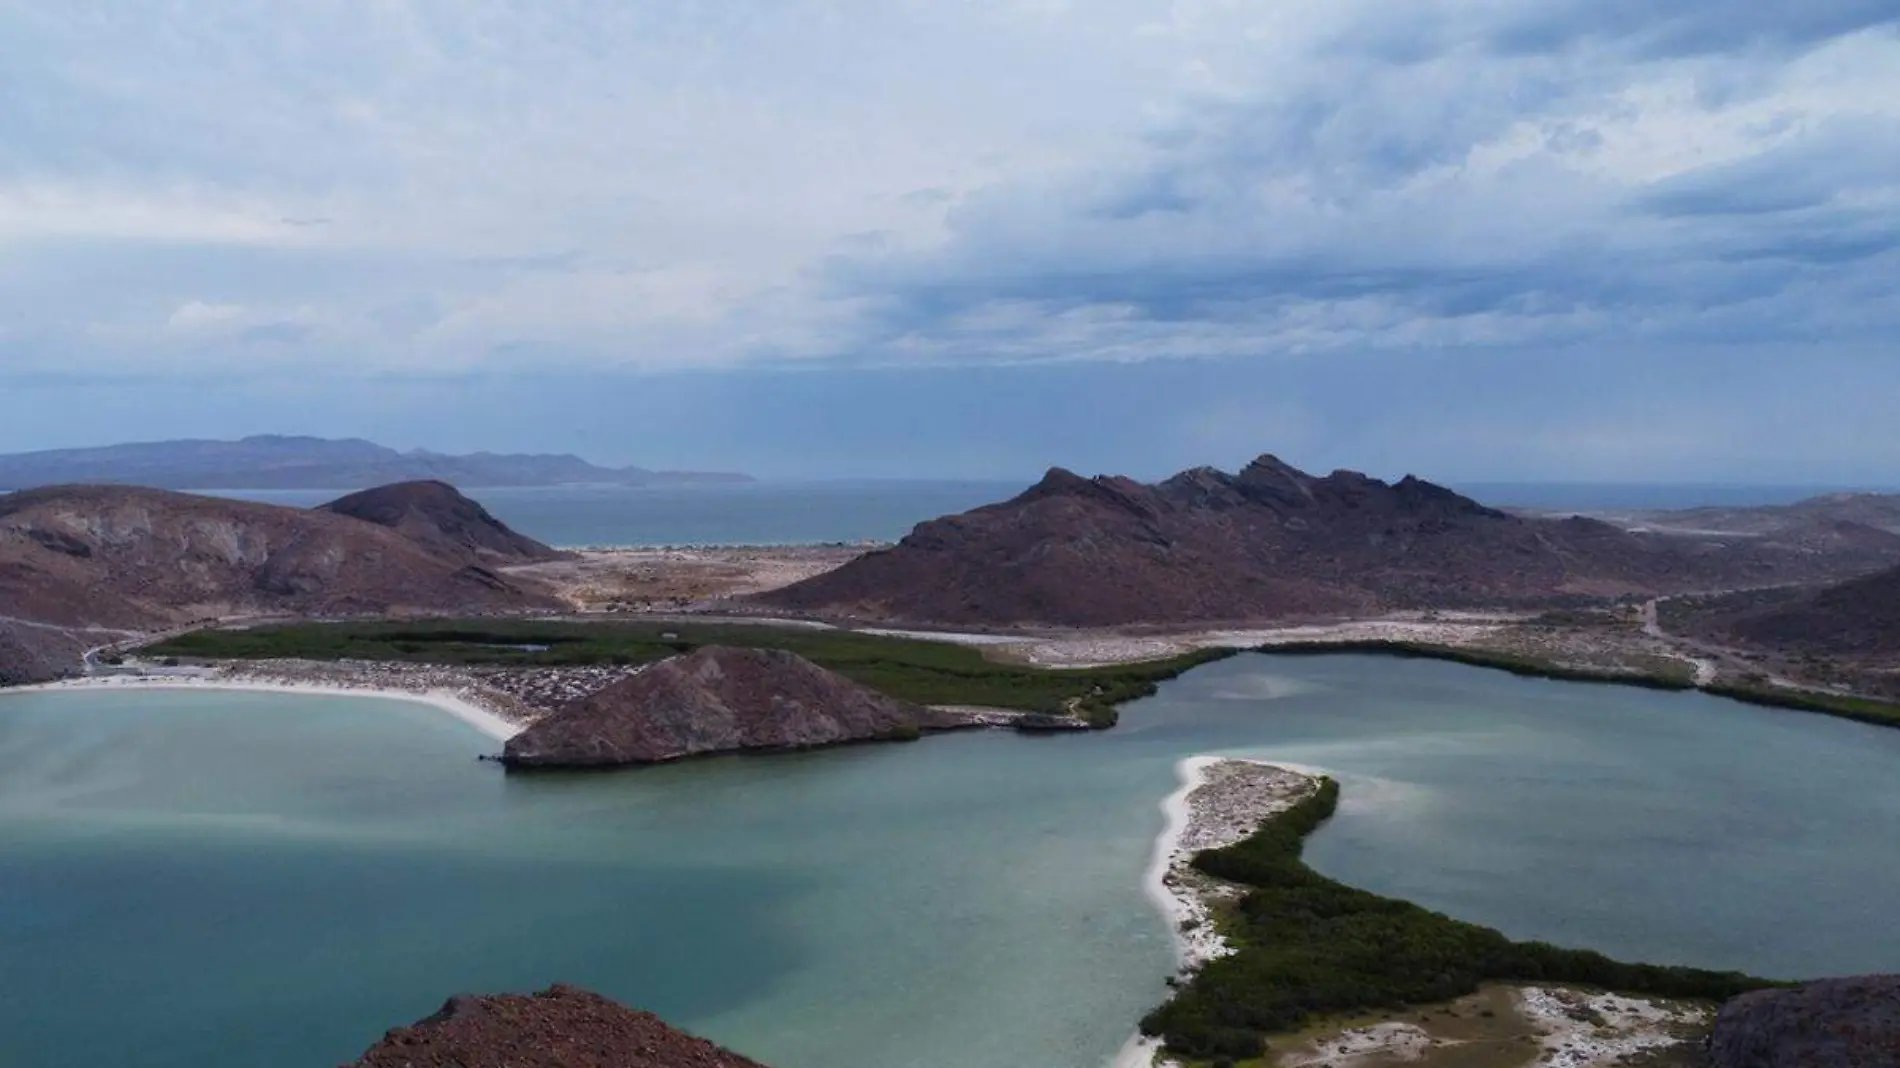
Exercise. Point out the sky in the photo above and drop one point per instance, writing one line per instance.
(1551, 240)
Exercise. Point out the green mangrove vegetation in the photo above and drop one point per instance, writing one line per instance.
(1530, 667)
(1864, 709)
(929, 672)
(1308, 947)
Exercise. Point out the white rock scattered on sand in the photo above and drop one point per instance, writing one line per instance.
(1574, 1039)
(1403, 1040)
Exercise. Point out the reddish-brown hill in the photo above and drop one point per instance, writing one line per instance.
(123, 557)
(1854, 619)
(717, 700)
(438, 517)
(1274, 543)
(561, 1027)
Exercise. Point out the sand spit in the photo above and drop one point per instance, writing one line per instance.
(1221, 801)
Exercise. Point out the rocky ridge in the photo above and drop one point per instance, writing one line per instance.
(718, 700)
(1275, 543)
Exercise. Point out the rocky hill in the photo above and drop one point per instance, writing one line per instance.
(1858, 618)
(438, 517)
(1832, 1023)
(717, 700)
(561, 1027)
(279, 462)
(1274, 542)
(78, 562)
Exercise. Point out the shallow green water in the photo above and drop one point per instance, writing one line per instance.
(229, 880)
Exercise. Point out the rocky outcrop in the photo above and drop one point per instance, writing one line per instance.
(1836, 1023)
(438, 517)
(32, 654)
(1274, 543)
(561, 1027)
(718, 700)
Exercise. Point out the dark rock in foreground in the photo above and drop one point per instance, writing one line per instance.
(561, 1027)
(1831, 1023)
(718, 700)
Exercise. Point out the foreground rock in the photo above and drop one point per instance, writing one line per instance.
(718, 700)
(438, 517)
(561, 1027)
(1274, 542)
(1837, 1023)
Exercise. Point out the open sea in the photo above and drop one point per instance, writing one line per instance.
(233, 880)
(791, 513)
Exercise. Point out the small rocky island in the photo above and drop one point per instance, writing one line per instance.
(560, 1027)
(719, 700)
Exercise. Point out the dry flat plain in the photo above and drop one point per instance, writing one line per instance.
(672, 579)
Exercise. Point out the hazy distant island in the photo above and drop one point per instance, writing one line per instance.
(273, 462)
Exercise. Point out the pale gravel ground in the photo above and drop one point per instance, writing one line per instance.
(1104, 650)
(1631, 1025)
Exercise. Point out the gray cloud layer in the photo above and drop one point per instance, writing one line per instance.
(427, 186)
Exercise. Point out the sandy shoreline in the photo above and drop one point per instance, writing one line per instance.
(481, 719)
(1221, 800)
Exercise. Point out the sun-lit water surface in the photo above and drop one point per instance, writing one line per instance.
(227, 880)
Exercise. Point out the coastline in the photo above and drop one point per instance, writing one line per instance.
(488, 722)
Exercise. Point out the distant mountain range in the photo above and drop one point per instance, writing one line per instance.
(275, 462)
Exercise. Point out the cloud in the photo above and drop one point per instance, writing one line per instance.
(438, 187)
(1580, 191)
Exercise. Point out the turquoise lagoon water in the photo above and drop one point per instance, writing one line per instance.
(223, 880)
(753, 513)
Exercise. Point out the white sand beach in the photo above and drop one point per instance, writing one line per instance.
(485, 720)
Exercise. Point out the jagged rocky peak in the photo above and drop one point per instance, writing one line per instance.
(1274, 482)
(1202, 487)
(1060, 482)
